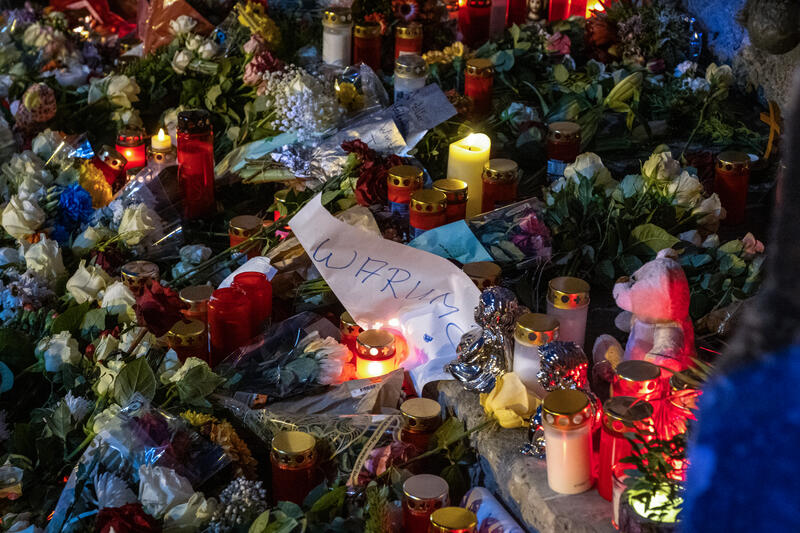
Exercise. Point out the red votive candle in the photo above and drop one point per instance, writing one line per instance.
(130, 143)
(563, 147)
(112, 164)
(258, 290)
(421, 418)
(731, 179)
(408, 39)
(242, 228)
(427, 211)
(500, 177)
(478, 81)
(294, 466)
(455, 192)
(229, 322)
(189, 338)
(422, 495)
(367, 44)
(473, 21)
(517, 12)
(196, 163)
(401, 182)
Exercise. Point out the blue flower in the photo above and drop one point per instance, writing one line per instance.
(61, 233)
(75, 204)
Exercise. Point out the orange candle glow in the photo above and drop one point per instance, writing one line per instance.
(376, 353)
(592, 6)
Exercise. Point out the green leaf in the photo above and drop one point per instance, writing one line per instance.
(456, 481)
(136, 376)
(60, 422)
(649, 239)
(94, 321)
(70, 320)
(605, 269)
(448, 431)
(732, 247)
(197, 384)
(329, 196)
(560, 73)
(16, 349)
(329, 505)
(629, 264)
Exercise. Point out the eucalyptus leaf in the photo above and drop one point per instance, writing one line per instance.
(136, 376)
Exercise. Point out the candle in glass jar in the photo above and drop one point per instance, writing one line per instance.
(375, 353)
(422, 495)
(731, 180)
(242, 228)
(130, 143)
(427, 211)
(229, 322)
(196, 163)
(189, 339)
(568, 302)
(453, 520)
(484, 274)
(401, 182)
(421, 418)
(137, 274)
(566, 419)
(337, 28)
(563, 147)
(465, 162)
(639, 379)
(500, 178)
(294, 466)
(531, 331)
(478, 82)
(474, 17)
(258, 290)
(112, 164)
(161, 153)
(497, 24)
(408, 39)
(410, 73)
(196, 298)
(517, 12)
(564, 9)
(367, 44)
(456, 193)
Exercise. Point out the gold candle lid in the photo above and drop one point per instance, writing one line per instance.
(428, 201)
(139, 269)
(405, 177)
(197, 297)
(564, 131)
(733, 161)
(624, 411)
(337, 16)
(130, 137)
(245, 225)
(453, 520)
(483, 274)
(294, 449)
(421, 415)
(566, 409)
(367, 30)
(112, 158)
(536, 328)
(424, 493)
(478, 66)
(348, 326)
(375, 344)
(410, 65)
(500, 170)
(454, 190)
(638, 371)
(568, 293)
(412, 30)
(187, 333)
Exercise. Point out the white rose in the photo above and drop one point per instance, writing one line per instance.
(710, 211)
(208, 50)
(128, 117)
(86, 241)
(127, 338)
(108, 373)
(661, 166)
(686, 67)
(87, 282)
(106, 419)
(59, 349)
(193, 42)
(182, 24)
(169, 365)
(180, 61)
(692, 236)
(137, 223)
(37, 35)
(122, 90)
(104, 347)
(190, 516)
(719, 75)
(22, 217)
(34, 186)
(44, 258)
(686, 190)
(118, 300)
(589, 166)
(161, 489)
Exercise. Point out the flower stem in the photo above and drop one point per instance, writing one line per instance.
(696, 128)
(84, 443)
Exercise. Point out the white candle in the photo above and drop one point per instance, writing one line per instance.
(568, 441)
(465, 162)
(160, 141)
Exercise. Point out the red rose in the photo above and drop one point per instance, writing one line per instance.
(158, 308)
(129, 518)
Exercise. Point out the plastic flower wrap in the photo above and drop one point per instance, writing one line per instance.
(514, 234)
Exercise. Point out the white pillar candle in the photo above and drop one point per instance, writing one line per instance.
(532, 330)
(568, 441)
(465, 162)
(568, 302)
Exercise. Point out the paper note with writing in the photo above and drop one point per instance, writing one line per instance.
(422, 110)
(380, 281)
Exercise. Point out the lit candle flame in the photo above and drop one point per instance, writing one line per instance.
(161, 135)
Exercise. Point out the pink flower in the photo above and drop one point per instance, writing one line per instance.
(558, 43)
(382, 458)
(751, 246)
(255, 69)
(255, 45)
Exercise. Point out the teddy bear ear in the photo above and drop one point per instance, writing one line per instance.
(667, 252)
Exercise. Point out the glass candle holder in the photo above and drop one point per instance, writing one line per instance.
(422, 495)
(517, 12)
(731, 179)
(683, 393)
(337, 29)
(258, 290)
(196, 298)
(408, 39)
(465, 162)
(196, 163)
(497, 24)
(563, 147)
(349, 330)
(456, 193)
(421, 418)
(130, 143)
(294, 466)
(158, 160)
(136, 275)
(402, 181)
(564, 9)
(639, 379)
(618, 476)
(566, 419)
(484, 274)
(500, 178)
(531, 331)
(427, 211)
(568, 302)
(242, 228)
(453, 520)
(621, 415)
(112, 164)
(189, 339)
(375, 353)
(478, 81)
(410, 73)
(367, 44)
(229, 322)
(474, 17)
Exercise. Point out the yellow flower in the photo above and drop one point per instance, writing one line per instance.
(224, 435)
(435, 56)
(197, 419)
(349, 96)
(93, 181)
(457, 49)
(253, 16)
(509, 402)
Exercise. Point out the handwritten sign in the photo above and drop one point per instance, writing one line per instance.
(422, 110)
(380, 281)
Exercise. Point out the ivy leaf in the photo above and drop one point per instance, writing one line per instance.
(136, 376)
(649, 239)
(197, 384)
(456, 481)
(70, 320)
(94, 321)
(329, 505)
(60, 422)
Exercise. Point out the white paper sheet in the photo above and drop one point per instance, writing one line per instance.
(378, 280)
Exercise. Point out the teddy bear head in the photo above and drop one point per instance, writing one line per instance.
(656, 292)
